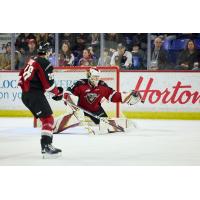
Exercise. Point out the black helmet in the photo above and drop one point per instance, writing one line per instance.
(44, 47)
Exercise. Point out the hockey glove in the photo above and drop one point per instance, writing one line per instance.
(59, 96)
(134, 98)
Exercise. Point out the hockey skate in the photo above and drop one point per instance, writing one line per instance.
(49, 151)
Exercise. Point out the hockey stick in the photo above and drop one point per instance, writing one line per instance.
(97, 117)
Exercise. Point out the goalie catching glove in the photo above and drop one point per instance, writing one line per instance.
(132, 98)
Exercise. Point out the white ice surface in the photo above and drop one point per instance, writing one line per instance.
(154, 142)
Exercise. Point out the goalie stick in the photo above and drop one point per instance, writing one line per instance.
(97, 117)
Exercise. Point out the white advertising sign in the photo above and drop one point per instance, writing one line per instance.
(162, 91)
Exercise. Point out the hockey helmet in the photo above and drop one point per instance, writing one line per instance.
(44, 47)
(94, 76)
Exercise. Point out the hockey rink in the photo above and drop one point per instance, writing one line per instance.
(153, 142)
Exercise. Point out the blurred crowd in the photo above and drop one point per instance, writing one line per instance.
(129, 51)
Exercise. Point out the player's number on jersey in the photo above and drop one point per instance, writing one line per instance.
(27, 71)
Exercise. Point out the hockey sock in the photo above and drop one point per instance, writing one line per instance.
(47, 130)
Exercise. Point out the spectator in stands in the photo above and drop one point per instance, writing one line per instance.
(95, 43)
(32, 48)
(71, 37)
(22, 57)
(128, 37)
(22, 40)
(121, 57)
(159, 58)
(139, 57)
(52, 57)
(95, 38)
(87, 59)
(93, 54)
(3, 48)
(112, 40)
(140, 39)
(41, 37)
(81, 42)
(26, 54)
(189, 57)
(66, 57)
(105, 61)
(5, 58)
(30, 36)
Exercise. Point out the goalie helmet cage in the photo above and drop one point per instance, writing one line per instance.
(66, 76)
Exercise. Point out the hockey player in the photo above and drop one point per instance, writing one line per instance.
(36, 79)
(90, 92)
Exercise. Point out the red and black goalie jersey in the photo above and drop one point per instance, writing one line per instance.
(37, 75)
(90, 97)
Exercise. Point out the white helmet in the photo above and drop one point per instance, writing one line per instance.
(94, 76)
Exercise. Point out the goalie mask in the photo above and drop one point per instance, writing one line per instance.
(94, 76)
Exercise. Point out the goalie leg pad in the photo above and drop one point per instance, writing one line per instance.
(112, 127)
(64, 122)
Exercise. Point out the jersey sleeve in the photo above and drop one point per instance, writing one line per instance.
(116, 97)
(46, 75)
(110, 94)
(75, 88)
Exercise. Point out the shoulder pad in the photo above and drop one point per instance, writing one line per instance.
(80, 82)
(77, 84)
(102, 83)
